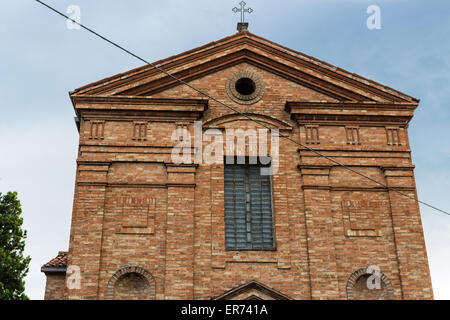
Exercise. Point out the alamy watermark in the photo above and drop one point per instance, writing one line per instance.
(215, 147)
(73, 281)
(374, 20)
(374, 280)
(74, 13)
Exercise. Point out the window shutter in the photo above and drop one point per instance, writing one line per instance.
(248, 209)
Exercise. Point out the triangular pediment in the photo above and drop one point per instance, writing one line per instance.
(244, 47)
(252, 290)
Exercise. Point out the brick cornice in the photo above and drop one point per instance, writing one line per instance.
(139, 100)
(349, 112)
(329, 166)
(151, 106)
(296, 106)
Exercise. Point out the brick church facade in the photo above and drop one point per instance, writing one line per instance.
(144, 227)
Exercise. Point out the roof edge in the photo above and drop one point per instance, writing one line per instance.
(54, 269)
(248, 35)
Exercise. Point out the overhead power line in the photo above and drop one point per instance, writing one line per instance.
(237, 111)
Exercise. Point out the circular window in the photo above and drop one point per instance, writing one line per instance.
(245, 87)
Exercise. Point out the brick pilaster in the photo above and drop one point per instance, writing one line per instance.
(179, 275)
(319, 225)
(409, 241)
(87, 229)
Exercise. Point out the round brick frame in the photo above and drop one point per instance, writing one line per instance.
(109, 295)
(361, 272)
(230, 88)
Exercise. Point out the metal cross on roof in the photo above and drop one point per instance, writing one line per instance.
(242, 10)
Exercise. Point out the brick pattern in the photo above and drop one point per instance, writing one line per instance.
(362, 292)
(393, 136)
(245, 99)
(319, 242)
(97, 130)
(131, 283)
(55, 288)
(312, 135)
(358, 289)
(139, 131)
(352, 135)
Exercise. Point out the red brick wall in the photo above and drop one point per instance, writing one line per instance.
(55, 288)
(328, 221)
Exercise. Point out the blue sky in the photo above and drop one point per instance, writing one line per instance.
(41, 60)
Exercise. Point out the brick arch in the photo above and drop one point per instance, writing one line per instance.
(269, 121)
(128, 270)
(352, 280)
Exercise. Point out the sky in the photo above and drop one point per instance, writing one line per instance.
(41, 60)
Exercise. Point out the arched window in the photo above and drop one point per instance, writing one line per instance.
(131, 283)
(365, 285)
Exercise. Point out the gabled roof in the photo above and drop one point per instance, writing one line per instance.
(252, 290)
(242, 47)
